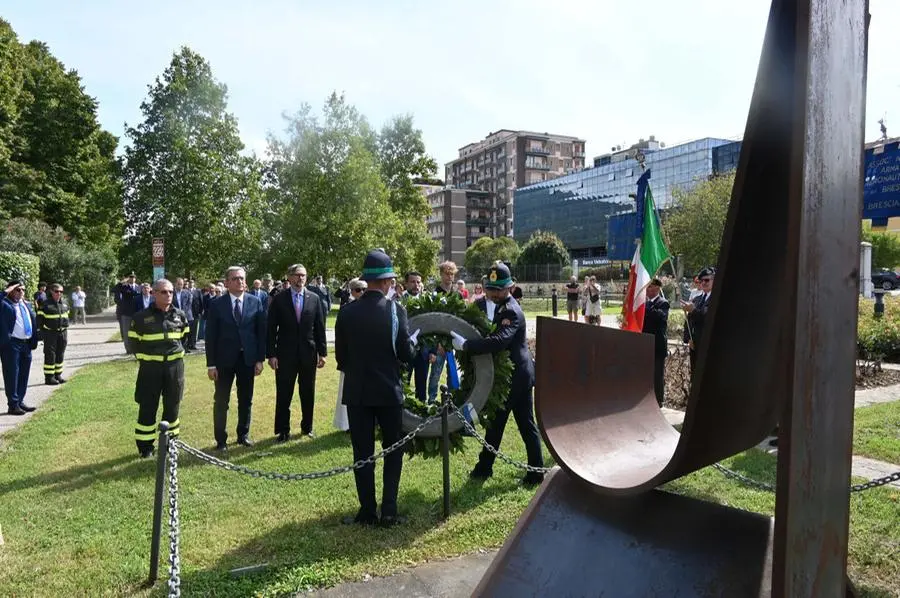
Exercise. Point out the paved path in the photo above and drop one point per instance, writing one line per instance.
(87, 344)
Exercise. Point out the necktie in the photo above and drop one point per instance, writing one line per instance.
(237, 311)
(26, 319)
(298, 305)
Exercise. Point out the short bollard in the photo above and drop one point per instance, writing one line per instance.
(879, 303)
(446, 397)
(554, 300)
(162, 461)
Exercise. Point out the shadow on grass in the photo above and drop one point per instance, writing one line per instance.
(757, 465)
(314, 553)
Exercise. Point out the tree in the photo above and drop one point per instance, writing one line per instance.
(329, 199)
(186, 179)
(885, 248)
(694, 224)
(56, 163)
(543, 248)
(485, 251)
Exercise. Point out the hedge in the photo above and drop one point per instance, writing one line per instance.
(20, 266)
(879, 338)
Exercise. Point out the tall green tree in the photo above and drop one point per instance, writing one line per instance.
(694, 223)
(485, 251)
(186, 179)
(543, 248)
(56, 163)
(330, 200)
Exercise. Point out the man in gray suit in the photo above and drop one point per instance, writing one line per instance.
(183, 299)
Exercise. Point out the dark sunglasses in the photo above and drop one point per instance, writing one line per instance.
(356, 290)
(706, 280)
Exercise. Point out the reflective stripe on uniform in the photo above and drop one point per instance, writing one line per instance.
(172, 357)
(133, 334)
(59, 368)
(49, 368)
(175, 427)
(145, 431)
(52, 316)
(158, 336)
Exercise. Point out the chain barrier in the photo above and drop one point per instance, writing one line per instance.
(316, 475)
(174, 582)
(471, 430)
(883, 481)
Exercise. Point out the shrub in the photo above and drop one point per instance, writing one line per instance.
(20, 266)
(879, 339)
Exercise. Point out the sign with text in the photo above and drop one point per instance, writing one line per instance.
(159, 252)
(881, 189)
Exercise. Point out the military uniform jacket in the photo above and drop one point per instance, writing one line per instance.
(369, 353)
(53, 315)
(157, 334)
(509, 335)
(696, 319)
(656, 322)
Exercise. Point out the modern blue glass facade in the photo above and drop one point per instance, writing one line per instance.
(577, 206)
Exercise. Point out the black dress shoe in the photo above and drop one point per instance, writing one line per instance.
(26, 408)
(245, 441)
(481, 473)
(283, 437)
(221, 447)
(533, 478)
(391, 521)
(360, 519)
(16, 411)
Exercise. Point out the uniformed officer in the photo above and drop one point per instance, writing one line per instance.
(371, 339)
(508, 335)
(156, 334)
(695, 311)
(53, 322)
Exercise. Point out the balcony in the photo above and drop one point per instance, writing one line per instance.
(534, 166)
(578, 154)
(478, 221)
(538, 151)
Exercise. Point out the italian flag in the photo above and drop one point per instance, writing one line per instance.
(649, 256)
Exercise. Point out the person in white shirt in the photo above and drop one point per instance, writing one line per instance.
(78, 298)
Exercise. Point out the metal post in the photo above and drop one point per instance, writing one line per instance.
(162, 461)
(879, 303)
(554, 299)
(445, 448)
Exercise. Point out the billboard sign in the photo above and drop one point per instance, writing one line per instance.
(881, 188)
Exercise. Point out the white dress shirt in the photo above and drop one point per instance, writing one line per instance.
(18, 330)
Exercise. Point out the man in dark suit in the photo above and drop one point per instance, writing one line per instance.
(656, 322)
(18, 338)
(509, 334)
(183, 299)
(235, 349)
(197, 312)
(295, 347)
(371, 339)
(695, 312)
(125, 294)
(144, 300)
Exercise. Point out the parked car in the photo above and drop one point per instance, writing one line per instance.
(886, 280)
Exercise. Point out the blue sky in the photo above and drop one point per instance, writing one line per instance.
(610, 72)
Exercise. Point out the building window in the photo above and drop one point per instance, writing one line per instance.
(611, 177)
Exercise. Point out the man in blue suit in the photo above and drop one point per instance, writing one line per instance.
(18, 338)
(235, 349)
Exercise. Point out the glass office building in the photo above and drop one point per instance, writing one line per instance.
(577, 206)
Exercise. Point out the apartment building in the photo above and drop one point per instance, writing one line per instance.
(508, 159)
(459, 217)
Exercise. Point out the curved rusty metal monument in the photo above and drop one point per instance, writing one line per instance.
(599, 526)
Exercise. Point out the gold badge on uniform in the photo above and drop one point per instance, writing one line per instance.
(493, 276)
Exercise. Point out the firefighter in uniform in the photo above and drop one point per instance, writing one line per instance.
(156, 334)
(53, 322)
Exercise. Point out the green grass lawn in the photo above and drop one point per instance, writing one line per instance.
(878, 432)
(77, 501)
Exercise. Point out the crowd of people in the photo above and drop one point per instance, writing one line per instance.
(249, 326)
